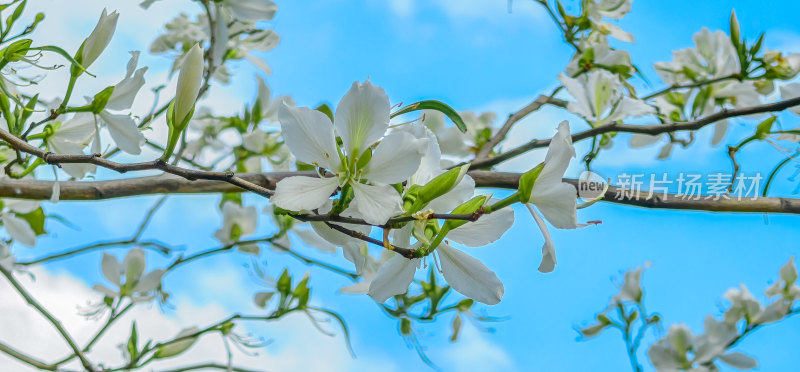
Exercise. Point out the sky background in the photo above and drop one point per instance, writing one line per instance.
(474, 55)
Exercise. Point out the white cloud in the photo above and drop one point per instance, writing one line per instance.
(494, 10)
(474, 353)
(62, 294)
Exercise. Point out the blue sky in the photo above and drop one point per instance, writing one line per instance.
(473, 55)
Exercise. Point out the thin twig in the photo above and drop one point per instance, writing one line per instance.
(651, 129)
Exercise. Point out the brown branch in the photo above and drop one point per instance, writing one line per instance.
(651, 129)
(157, 164)
(486, 149)
(170, 184)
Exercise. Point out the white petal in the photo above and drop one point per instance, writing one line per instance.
(125, 91)
(353, 253)
(309, 136)
(300, 193)
(393, 278)
(124, 132)
(105, 290)
(361, 117)
(377, 203)
(110, 268)
(575, 89)
(312, 239)
(558, 203)
(22, 205)
(469, 276)
(396, 158)
(455, 197)
(133, 264)
(559, 153)
(78, 130)
(55, 194)
(220, 37)
(639, 140)
(338, 238)
(19, 229)
(720, 129)
(149, 282)
(548, 249)
(739, 361)
(628, 107)
(791, 91)
(252, 10)
(487, 229)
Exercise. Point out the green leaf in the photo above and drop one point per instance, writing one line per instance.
(15, 16)
(35, 219)
(434, 105)
(284, 283)
(101, 99)
(763, 129)
(526, 182)
(325, 109)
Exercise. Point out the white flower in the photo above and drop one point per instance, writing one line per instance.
(237, 221)
(190, 80)
(603, 55)
(557, 200)
(600, 99)
(123, 128)
(18, 228)
(7, 259)
(786, 285)
(743, 305)
(462, 272)
(789, 91)
(631, 289)
(361, 119)
(714, 56)
(251, 10)
(136, 283)
(70, 138)
(98, 40)
(454, 143)
(615, 9)
(269, 107)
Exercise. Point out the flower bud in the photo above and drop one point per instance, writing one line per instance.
(98, 40)
(189, 81)
(178, 347)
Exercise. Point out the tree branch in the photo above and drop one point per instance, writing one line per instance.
(513, 119)
(157, 164)
(651, 129)
(170, 184)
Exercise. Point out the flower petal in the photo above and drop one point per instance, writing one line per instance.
(19, 229)
(309, 136)
(149, 282)
(488, 228)
(110, 268)
(300, 193)
(469, 276)
(739, 361)
(312, 239)
(361, 117)
(124, 132)
(376, 204)
(548, 249)
(393, 278)
(396, 158)
(133, 264)
(558, 204)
